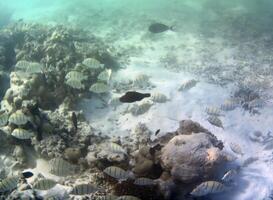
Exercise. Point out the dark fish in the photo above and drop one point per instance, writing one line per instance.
(75, 121)
(159, 28)
(27, 174)
(157, 131)
(133, 96)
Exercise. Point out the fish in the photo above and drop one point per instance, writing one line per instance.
(187, 85)
(157, 132)
(107, 197)
(144, 181)
(213, 111)
(208, 187)
(4, 117)
(249, 161)
(75, 75)
(159, 98)
(116, 148)
(76, 84)
(18, 118)
(236, 148)
(229, 175)
(92, 63)
(27, 174)
(215, 121)
(74, 120)
(44, 184)
(117, 173)
(9, 184)
(133, 96)
(99, 88)
(22, 134)
(105, 75)
(159, 28)
(83, 189)
(128, 197)
(61, 167)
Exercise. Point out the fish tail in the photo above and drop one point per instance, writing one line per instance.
(147, 95)
(172, 28)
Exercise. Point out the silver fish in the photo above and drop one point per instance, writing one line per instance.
(208, 187)
(9, 184)
(117, 173)
(107, 197)
(128, 197)
(144, 181)
(229, 175)
(236, 148)
(60, 167)
(83, 189)
(44, 184)
(215, 121)
(22, 134)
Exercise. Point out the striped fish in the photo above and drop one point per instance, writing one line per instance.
(22, 134)
(186, 85)
(107, 197)
(128, 197)
(117, 173)
(159, 97)
(60, 167)
(9, 184)
(34, 67)
(44, 184)
(229, 175)
(83, 189)
(208, 187)
(229, 105)
(99, 88)
(141, 80)
(213, 111)
(105, 75)
(236, 148)
(18, 118)
(22, 64)
(215, 121)
(92, 63)
(116, 148)
(4, 117)
(249, 161)
(144, 181)
(74, 84)
(74, 75)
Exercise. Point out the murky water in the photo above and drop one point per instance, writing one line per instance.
(65, 64)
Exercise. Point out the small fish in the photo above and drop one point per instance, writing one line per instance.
(18, 118)
(159, 98)
(229, 175)
(27, 174)
(116, 148)
(44, 184)
(83, 189)
(215, 121)
(117, 173)
(144, 181)
(4, 117)
(249, 161)
(99, 88)
(187, 85)
(92, 63)
(22, 134)
(9, 184)
(159, 28)
(132, 96)
(236, 148)
(208, 187)
(74, 120)
(128, 197)
(61, 167)
(157, 132)
(107, 197)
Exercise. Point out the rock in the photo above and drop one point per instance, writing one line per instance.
(191, 157)
(72, 154)
(143, 162)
